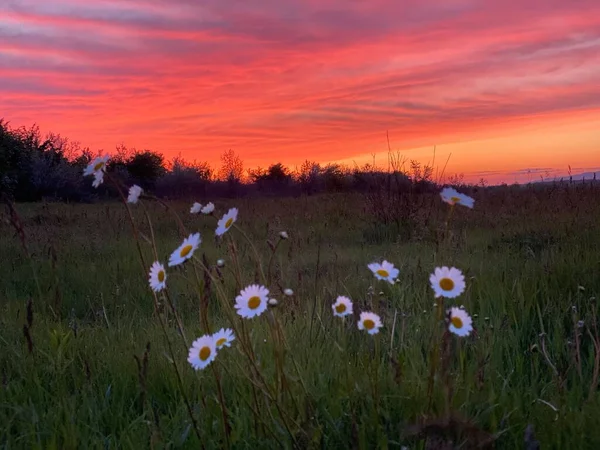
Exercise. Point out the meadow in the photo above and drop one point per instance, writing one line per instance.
(90, 358)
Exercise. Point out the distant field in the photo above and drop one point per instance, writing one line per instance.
(531, 259)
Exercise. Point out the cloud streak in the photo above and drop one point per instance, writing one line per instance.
(306, 79)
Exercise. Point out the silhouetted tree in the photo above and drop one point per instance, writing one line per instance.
(232, 167)
(145, 168)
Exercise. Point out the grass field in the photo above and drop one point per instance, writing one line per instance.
(92, 367)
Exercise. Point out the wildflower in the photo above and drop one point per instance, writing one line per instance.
(185, 250)
(252, 301)
(273, 302)
(220, 263)
(384, 271)
(98, 179)
(283, 235)
(134, 194)
(447, 282)
(226, 221)
(208, 208)
(453, 197)
(196, 207)
(370, 322)
(288, 292)
(158, 277)
(96, 165)
(342, 306)
(460, 322)
(223, 338)
(202, 352)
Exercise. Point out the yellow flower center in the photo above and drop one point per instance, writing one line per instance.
(186, 250)
(447, 284)
(369, 324)
(204, 353)
(254, 302)
(340, 308)
(457, 322)
(229, 222)
(455, 199)
(384, 273)
(221, 341)
(98, 166)
(161, 276)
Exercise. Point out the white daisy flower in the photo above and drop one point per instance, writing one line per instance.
(98, 179)
(447, 282)
(226, 221)
(460, 322)
(288, 292)
(185, 250)
(196, 208)
(208, 208)
(370, 322)
(223, 338)
(202, 352)
(158, 277)
(453, 197)
(342, 306)
(252, 301)
(384, 271)
(134, 194)
(283, 235)
(96, 165)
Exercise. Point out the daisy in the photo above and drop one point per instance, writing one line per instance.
(370, 322)
(196, 207)
(202, 352)
(252, 301)
(96, 165)
(460, 322)
(384, 271)
(134, 193)
(185, 250)
(226, 221)
(447, 282)
(453, 197)
(223, 338)
(209, 208)
(98, 179)
(158, 277)
(342, 306)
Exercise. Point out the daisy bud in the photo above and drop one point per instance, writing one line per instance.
(288, 292)
(283, 235)
(220, 263)
(273, 302)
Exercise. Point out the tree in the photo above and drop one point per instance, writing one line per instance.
(146, 168)
(232, 167)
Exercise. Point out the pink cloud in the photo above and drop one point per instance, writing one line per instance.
(318, 80)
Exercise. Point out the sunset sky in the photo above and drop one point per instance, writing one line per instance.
(511, 89)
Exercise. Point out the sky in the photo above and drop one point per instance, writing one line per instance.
(504, 90)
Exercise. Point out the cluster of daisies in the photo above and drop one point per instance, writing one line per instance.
(158, 276)
(446, 282)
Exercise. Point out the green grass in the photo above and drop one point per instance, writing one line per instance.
(524, 254)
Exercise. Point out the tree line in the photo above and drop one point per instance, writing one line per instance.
(35, 167)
